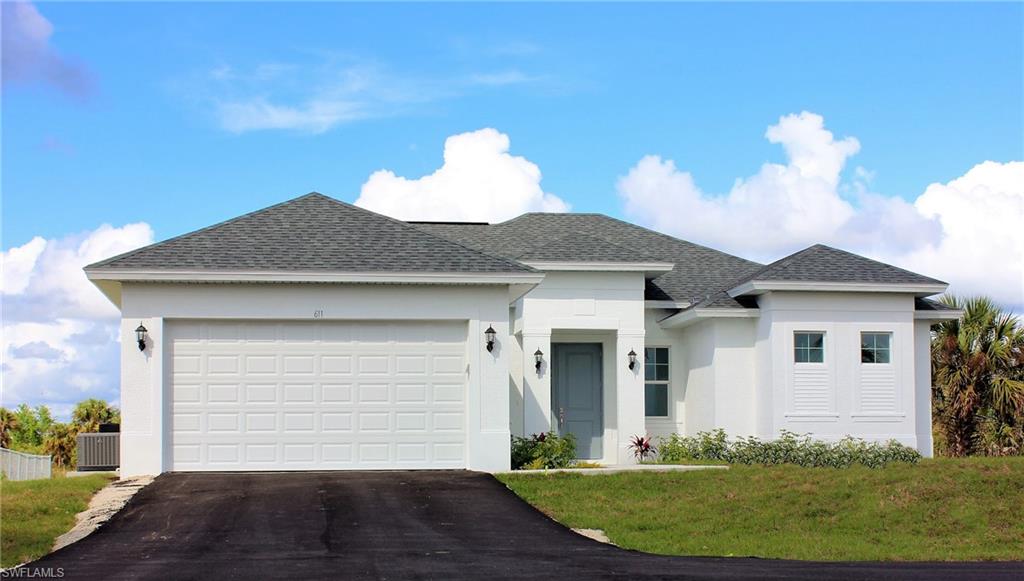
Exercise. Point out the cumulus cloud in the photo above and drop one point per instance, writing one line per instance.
(967, 231)
(29, 57)
(479, 181)
(60, 339)
(981, 249)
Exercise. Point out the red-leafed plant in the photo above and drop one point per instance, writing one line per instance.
(642, 447)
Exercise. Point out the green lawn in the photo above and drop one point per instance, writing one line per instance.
(34, 513)
(970, 509)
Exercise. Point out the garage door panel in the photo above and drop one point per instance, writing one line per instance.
(266, 395)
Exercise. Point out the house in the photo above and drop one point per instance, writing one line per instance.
(317, 335)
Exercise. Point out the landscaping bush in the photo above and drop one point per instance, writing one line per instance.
(789, 448)
(544, 450)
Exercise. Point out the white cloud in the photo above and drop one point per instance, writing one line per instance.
(29, 57)
(967, 232)
(479, 181)
(501, 79)
(982, 245)
(774, 210)
(314, 116)
(320, 96)
(18, 263)
(60, 339)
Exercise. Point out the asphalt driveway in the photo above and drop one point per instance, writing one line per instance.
(393, 525)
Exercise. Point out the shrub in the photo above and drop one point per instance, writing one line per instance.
(642, 447)
(543, 450)
(788, 448)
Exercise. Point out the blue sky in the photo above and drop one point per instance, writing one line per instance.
(929, 90)
(893, 130)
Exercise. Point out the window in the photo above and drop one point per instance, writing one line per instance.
(809, 347)
(656, 378)
(875, 347)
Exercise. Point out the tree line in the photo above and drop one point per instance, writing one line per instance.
(35, 431)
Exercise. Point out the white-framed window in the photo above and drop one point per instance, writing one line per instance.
(809, 347)
(875, 347)
(656, 382)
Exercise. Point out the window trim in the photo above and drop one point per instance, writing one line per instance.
(824, 346)
(666, 382)
(860, 345)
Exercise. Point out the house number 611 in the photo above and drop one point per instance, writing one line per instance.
(318, 314)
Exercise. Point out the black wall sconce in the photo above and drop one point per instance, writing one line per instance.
(490, 334)
(632, 359)
(140, 336)
(538, 356)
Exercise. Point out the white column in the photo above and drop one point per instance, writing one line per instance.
(142, 395)
(488, 395)
(923, 387)
(629, 392)
(536, 383)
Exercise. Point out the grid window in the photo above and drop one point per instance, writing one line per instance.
(656, 382)
(809, 347)
(875, 347)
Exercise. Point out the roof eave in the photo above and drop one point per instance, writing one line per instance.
(758, 287)
(943, 315)
(692, 316)
(235, 276)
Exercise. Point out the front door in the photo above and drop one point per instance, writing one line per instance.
(576, 395)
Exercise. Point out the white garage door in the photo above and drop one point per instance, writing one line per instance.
(317, 395)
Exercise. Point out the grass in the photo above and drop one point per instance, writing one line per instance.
(943, 509)
(33, 513)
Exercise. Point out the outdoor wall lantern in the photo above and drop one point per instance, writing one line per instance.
(538, 356)
(140, 336)
(632, 359)
(490, 334)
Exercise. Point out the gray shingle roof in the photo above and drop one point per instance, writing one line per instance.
(698, 270)
(585, 248)
(930, 305)
(313, 233)
(821, 263)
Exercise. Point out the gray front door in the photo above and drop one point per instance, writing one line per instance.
(576, 395)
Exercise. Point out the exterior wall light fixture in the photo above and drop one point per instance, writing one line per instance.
(140, 336)
(632, 359)
(538, 357)
(490, 334)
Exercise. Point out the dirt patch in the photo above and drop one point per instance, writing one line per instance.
(103, 505)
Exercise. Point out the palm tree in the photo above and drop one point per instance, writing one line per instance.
(8, 424)
(60, 444)
(977, 366)
(90, 413)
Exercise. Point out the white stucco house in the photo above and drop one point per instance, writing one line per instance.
(317, 335)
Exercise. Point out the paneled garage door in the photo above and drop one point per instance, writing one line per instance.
(317, 395)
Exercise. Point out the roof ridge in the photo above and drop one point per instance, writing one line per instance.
(674, 239)
(577, 234)
(789, 258)
(105, 261)
(430, 234)
(524, 214)
(858, 256)
(631, 225)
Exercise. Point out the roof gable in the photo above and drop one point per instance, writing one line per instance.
(821, 263)
(312, 233)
